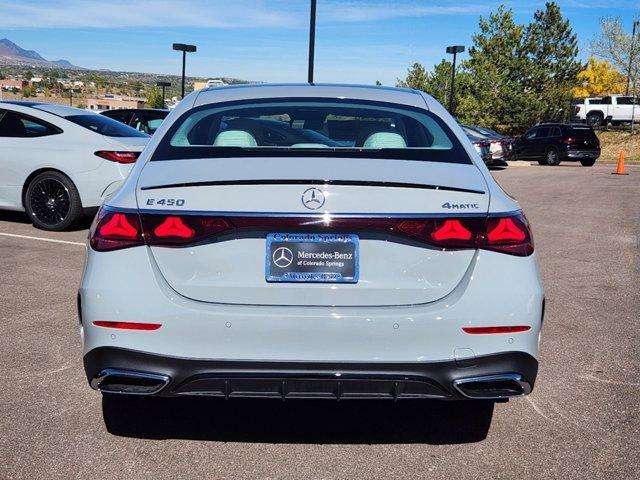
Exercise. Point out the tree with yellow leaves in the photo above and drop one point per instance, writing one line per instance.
(599, 78)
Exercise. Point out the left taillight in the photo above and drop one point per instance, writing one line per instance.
(118, 156)
(115, 230)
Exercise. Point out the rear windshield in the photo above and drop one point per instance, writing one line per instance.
(105, 125)
(317, 128)
(581, 132)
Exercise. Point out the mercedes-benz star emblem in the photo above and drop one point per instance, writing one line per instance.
(313, 198)
(282, 257)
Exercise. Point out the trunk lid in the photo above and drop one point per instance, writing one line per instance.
(231, 269)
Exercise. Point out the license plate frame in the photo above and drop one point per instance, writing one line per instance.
(312, 266)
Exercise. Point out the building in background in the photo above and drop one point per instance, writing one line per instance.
(209, 83)
(114, 103)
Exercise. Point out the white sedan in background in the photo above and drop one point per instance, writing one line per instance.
(56, 161)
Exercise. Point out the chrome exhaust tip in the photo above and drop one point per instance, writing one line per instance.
(113, 380)
(487, 387)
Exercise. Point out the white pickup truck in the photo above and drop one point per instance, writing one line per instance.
(614, 109)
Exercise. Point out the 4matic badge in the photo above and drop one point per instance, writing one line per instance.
(459, 206)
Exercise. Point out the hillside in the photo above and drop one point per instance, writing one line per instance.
(12, 54)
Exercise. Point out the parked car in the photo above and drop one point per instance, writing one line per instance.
(482, 146)
(614, 109)
(56, 161)
(552, 143)
(146, 120)
(311, 271)
(500, 146)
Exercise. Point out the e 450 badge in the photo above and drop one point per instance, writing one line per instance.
(459, 206)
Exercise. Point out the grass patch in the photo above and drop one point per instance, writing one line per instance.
(611, 142)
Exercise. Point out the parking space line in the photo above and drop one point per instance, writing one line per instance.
(53, 240)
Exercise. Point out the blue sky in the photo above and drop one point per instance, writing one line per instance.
(358, 41)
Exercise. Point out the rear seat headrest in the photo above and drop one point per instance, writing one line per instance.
(384, 140)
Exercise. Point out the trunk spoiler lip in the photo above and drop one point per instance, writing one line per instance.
(355, 183)
(210, 213)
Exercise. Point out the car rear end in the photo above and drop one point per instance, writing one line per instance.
(376, 269)
(579, 143)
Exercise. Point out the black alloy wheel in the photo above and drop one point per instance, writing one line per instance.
(52, 201)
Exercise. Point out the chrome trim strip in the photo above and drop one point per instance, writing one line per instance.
(320, 216)
(97, 381)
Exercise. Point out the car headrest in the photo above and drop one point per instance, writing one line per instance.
(384, 140)
(235, 138)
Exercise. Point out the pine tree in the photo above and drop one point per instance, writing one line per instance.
(552, 47)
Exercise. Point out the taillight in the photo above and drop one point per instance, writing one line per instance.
(508, 234)
(569, 140)
(118, 157)
(115, 230)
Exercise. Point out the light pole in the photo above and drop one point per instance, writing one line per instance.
(312, 39)
(184, 48)
(453, 49)
(633, 40)
(163, 85)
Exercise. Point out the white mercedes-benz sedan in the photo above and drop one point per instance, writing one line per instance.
(56, 161)
(311, 241)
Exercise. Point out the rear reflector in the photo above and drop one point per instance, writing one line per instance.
(118, 157)
(127, 325)
(508, 234)
(494, 330)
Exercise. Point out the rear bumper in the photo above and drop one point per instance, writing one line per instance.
(582, 154)
(499, 375)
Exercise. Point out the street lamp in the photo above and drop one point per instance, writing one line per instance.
(454, 49)
(163, 85)
(184, 48)
(312, 39)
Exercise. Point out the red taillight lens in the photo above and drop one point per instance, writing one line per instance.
(118, 157)
(115, 230)
(509, 235)
(174, 227)
(451, 229)
(569, 140)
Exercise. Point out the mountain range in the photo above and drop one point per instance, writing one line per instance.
(12, 54)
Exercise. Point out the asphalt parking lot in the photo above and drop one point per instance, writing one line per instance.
(582, 420)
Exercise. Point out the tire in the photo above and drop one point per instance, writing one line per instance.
(595, 119)
(52, 201)
(588, 163)
(552, 159)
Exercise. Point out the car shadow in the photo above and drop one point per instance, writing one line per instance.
(21, 217)
(299, 421)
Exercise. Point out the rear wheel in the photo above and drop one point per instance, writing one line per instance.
(588, 163)
(595, 119)
(552, 159)
(52, 201)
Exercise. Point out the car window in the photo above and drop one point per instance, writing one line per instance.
(18, 125)
(105, 125)
(606, 101)
(626, 101)
(531, 134)
(284, 127)
(543, 132)
(121, 116)
(555, 132)
(146, 123)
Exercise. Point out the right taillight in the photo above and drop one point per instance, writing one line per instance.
(118, 157)
(509, 234)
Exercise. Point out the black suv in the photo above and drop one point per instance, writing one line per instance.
(146, 120)
(551, 143)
